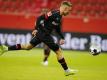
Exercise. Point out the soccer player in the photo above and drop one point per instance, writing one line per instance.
(45, 25)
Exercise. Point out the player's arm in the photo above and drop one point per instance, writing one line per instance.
(39, 24)
(58, 30)
(35, 30)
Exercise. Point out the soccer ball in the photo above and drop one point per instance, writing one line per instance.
(95, 49)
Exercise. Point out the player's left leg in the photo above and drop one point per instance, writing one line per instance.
(4, 48)
(46, 55)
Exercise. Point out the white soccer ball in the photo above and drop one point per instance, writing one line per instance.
(95, 49)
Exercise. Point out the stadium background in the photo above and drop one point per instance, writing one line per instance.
(86, 23)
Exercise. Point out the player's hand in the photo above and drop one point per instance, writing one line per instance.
(34, 32)
(62, 41)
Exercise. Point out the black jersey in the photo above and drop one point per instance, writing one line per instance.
(49, 22)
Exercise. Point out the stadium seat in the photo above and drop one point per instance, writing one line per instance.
(75, 1)
(80, 7)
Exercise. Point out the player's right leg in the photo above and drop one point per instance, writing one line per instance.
(4, 48)
(63, 63)
(34, 41)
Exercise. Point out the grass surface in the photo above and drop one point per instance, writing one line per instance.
(26, 65)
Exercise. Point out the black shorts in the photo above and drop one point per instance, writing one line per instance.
(45, 38)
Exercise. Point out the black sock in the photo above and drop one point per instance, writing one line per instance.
(45, 59)
(14, 47)
(63, 63)
(46, 53)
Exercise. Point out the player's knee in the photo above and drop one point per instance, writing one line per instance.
(27, 46)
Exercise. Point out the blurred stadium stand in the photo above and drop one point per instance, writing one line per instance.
(91, 15)
(91, 8)
(86, 23)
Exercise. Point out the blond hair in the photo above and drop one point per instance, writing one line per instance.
(68, 3)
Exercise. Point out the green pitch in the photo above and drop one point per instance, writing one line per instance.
(26, 65)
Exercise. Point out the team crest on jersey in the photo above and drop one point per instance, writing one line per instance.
(49, 13)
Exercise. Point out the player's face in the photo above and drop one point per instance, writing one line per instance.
(66, 10)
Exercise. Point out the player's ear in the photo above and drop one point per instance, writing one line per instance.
(65, 7)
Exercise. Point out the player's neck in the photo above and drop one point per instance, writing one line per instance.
(61, 13)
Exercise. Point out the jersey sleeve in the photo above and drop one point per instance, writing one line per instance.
(40, 23)
(59, 31)
(35, 26)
